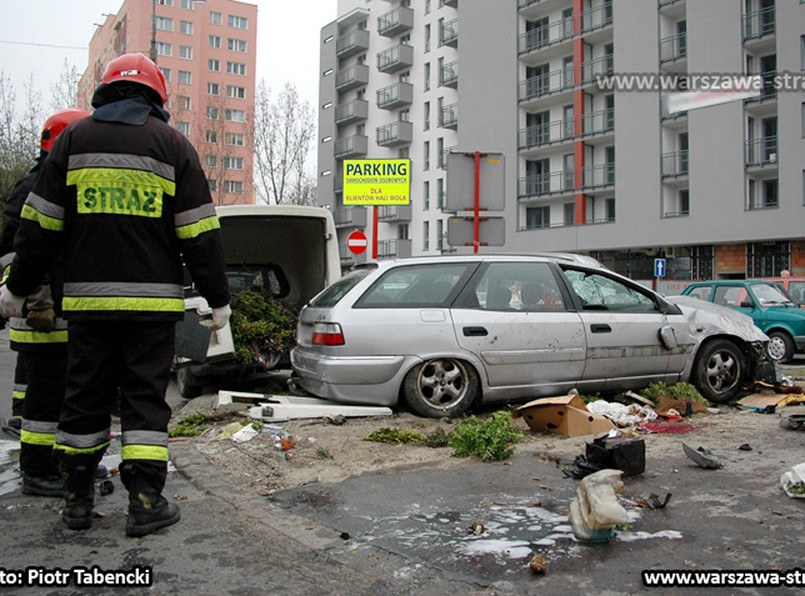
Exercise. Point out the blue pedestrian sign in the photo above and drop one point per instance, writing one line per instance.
(659, 267)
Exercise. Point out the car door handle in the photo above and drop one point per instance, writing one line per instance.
(600, 328)
(475, 331)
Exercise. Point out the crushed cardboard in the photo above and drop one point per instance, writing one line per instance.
(565, 415)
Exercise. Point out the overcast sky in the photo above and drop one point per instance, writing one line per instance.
(287, 40)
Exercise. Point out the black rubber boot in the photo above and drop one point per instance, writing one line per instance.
(42, 486)
(78, 472)
(148, 509)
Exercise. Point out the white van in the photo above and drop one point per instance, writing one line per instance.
(289, 252)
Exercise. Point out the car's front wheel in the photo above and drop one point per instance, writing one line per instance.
(781, 347)
(440, 387)
(719, 371)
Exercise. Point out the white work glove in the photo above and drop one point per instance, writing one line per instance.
(11, 305)
(220, 317)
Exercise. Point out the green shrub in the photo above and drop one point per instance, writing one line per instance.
(260, 325)
(681, 391)
(395, 435)
(491, 440)
(192, 426)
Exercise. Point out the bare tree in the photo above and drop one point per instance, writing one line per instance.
(283, 132)
(19, 132)
(64, 92)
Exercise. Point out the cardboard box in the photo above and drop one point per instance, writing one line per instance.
(566, 415)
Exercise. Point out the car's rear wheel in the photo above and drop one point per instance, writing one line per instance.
(185, 384)
(440, 387)
(719, 371)
(781, 347)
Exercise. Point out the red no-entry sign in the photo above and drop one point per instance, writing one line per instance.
(357, 242)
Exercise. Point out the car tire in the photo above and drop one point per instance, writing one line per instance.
(781, 347)
(441, 387)
(719, 371)
(184, 383)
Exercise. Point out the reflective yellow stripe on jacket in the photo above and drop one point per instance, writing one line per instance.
(118, 296)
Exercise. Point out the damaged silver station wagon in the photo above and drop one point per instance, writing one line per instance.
(443, 332)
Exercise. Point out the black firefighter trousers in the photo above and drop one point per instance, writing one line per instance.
(134, 358)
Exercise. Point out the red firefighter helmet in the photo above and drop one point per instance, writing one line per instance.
(57, 123)
(136, 68)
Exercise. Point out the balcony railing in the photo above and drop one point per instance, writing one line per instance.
(546, 184)
(675, 164)
(591, 70)
(596, 17)
(761, 152)
(448, 74)
(395, 95)
(599, 176)
(395, 58)
(443, 164)
(351, 77)
(395, 21)
(448, 116)
(352, 43)
(394, 133)
(394, 213)
(548, 133)
(453, 3)
(759, 23)
(599, 122)
(351, 111)
(351, 146)
(398, 247)
(350, 216)
(536, 39)
(673, 48)
(448, 33)
(545, 84)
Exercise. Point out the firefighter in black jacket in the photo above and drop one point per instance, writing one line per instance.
(40, 340)
(124, 198)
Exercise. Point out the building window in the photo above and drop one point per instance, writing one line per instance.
(234, 187)
(183, 127)
(233, 163)
(570, 214)
(213, 89)
(234, 138)
(427, 6)
(166, 72)
(212, 136)
(185, 77)
(235, 92)
(440, 193)
(216, 18)
(165, 2)
(439, 235)
(236, 45)
(186, 52)
(214, 65)
(186, 27)
(537, 218)
(426, 195)
(164, 49)
(215, 41)
(427, 115)
(212, 113)
(238, 22)
(186, 4)
(236, 68)
(184, 103)
(211, 161)
(427, 38)
(163, 24)
(426, 156)
(427, 76)
(426, 236)
(213, 183)
(235, 115)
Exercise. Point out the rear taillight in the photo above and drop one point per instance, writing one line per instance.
(328, 334)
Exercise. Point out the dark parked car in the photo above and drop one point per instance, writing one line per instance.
(771, 309)
(441, 332)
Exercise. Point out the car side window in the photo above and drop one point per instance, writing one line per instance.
(416, 286)
(701, 293)
(601, 292)
(518, 286)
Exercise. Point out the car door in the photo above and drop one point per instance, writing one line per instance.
(624, 324)
(514, 318)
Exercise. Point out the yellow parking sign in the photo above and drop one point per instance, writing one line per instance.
(377, 182)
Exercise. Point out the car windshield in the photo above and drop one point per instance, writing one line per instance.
(769, 294)
(334, 292)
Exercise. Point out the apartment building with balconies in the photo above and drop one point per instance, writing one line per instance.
(593, 163)
(207, 52)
